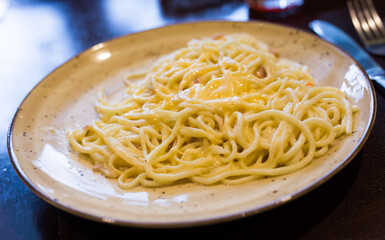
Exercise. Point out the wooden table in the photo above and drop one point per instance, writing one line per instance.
(36, 36)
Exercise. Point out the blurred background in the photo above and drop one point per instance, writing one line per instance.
(37, 36)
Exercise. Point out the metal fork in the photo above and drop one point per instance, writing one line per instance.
(368, 24)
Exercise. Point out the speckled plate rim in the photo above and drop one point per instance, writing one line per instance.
(192, 222)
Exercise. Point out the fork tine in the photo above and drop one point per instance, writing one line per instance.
(376, 19)
(372, 26)
(368, 24)
(356, 20)
(362, 17)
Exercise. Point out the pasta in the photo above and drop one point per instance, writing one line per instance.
(223, 109)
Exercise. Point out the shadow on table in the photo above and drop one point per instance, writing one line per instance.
(180, 9)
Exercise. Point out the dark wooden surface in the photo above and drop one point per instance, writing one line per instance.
(37, 36)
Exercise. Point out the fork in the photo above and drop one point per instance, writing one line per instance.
(368, 24)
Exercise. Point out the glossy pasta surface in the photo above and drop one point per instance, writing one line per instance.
(224, 109)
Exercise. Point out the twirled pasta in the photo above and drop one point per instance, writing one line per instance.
(221, 110)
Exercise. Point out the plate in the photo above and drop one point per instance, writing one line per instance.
(64, 99)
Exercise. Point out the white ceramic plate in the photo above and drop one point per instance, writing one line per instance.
(65, 99)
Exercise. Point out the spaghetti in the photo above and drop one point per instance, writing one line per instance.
(220, 110)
